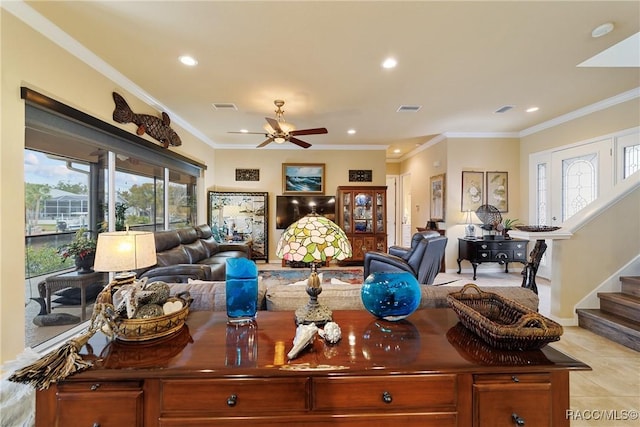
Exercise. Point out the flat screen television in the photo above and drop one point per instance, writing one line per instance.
(289, 209)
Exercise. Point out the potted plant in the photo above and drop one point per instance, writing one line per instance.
(83, 250)
(506, 225)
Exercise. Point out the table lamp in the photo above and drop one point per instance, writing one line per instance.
(123, 251)
(313, 239)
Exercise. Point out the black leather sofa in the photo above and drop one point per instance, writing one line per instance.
(192, 253)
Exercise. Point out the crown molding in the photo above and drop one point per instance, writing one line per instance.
(52, 32)
(598, 106)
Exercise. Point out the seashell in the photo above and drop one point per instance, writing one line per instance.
(304, 336)
(171, 307)
(331, 332)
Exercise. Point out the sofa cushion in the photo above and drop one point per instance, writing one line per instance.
(166, 240)
(196, 251)
(211, 246)
(347, 296)
(187, 235)
(334, 296)
(211, 296)
(177, 255)
(204, 231)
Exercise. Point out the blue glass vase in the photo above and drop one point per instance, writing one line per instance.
(391, 295)
(241, 290)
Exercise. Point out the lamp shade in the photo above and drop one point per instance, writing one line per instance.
(313, 238)
(124, 251)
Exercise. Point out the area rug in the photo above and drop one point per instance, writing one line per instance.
(293, 275)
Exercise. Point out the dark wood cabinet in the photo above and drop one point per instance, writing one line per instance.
(419, 372)
(500, 251)
(362, 215)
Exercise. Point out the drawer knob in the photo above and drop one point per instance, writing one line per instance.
(96, 425)
(232, 400)
(515, 379)
(517, 420)
(94, 387)
(386, 397)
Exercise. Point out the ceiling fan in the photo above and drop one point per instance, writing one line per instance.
(279, 131)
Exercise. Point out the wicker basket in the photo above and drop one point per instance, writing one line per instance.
(475, 350)
(501, 322)
(146, 329)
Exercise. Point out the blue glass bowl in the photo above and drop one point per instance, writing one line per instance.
(391, 295)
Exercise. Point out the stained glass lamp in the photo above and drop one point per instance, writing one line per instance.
(313, 239)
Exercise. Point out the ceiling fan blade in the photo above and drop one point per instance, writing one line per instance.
(267, 141)
(250, 133)
(299, 142)
(314, 131)
(274, 124)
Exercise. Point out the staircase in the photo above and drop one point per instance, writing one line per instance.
(618, 317)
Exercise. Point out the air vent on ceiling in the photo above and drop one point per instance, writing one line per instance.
(408, 108)
(504, 109)
(224, 106)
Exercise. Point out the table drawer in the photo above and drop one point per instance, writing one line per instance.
(92, 403)
(424, 392)
(234, 396)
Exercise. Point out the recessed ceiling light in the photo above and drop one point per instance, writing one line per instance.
(397, 150)
(389, 63)
(532, 109)
(188, 60)
(351, 131)
(602, 30)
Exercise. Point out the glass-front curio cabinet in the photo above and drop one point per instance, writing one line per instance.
(241, 217)
(362, 214)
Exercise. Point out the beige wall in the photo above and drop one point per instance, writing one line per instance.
(452, 156)
(337, 165)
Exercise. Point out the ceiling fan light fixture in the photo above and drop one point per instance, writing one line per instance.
(278, 139)
(287, 127)
(268, 128)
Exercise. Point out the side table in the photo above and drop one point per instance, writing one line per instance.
(73, 280)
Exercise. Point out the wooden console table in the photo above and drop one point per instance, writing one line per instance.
(504, 251)
(427, 371)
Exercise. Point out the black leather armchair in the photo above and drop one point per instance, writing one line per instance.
(422, 259)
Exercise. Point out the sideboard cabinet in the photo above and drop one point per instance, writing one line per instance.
(478, 251)
(362, 214)
(427, 371)
(241, 217)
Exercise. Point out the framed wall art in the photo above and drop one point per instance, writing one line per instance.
(247, 174)
(437, 189)
(303, 178)
(360, 175)
(498, 190)
(472, 190)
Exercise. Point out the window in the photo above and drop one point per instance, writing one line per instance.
(67, 188)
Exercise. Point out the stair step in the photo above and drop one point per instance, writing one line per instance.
(620, 304)
(630, 285)
(610, 326)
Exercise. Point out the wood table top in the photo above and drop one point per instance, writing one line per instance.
(428, 341)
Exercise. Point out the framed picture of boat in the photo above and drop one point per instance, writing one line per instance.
(303, 178)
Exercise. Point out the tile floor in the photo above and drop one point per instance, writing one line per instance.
(605, 396)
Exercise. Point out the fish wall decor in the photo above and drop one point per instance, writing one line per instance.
(158, 129)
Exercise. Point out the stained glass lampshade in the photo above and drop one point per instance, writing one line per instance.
(313, 239)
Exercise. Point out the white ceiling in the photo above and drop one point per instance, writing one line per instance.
(460, 61)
